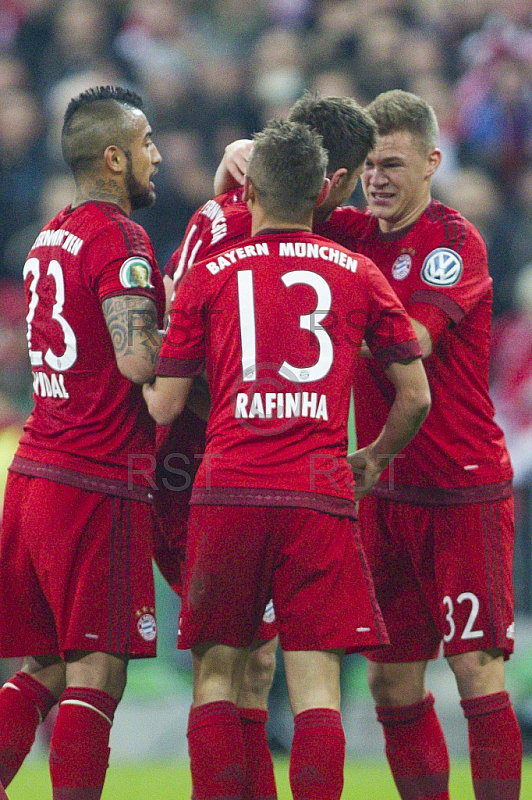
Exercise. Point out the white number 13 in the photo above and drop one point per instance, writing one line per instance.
(309, 322)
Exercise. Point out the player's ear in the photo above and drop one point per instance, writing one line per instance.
(249, 190)
(324, 193)
(338, 177)
(434, 160)
(114, 158)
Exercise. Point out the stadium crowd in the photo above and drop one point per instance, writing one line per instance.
(215, 71)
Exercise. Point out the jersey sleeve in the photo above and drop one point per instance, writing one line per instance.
(120, 260)
(182, 353)
(389, 333)
(451, 282)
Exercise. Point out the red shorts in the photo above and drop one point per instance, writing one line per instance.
(178, 457)
(441, 573)
(311, 563)
(75, 571)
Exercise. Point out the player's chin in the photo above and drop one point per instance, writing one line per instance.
(143, 199)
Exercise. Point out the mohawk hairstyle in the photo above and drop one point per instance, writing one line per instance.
(95, 119)
(124, 96)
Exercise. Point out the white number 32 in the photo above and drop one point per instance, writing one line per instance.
(468, 632)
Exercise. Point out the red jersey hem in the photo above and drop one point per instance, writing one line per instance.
(438, 496)
(179, 367)
(239, 496)
(398, 352)
(70, 477)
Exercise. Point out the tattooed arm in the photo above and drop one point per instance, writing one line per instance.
(132, 324)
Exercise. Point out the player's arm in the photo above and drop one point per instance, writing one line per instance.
(166, 397)
(199, 399)
(232, 167)
(132, 324)
(409, 409)
(423, 336)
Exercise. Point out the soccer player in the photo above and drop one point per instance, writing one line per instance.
(348, 134)
(278, 321)
(76, 579)
(439, 531)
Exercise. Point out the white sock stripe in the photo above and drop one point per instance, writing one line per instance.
(13, 686)
(86, 705)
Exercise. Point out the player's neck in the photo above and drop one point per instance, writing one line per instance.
(102, 190)
(406, 220)
(261, 221)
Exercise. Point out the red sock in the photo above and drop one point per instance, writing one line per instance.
(25, 700)
(79, 750)
(495, 746)
(216, 749)
(260, 781)
(318, 753)
(416, 750)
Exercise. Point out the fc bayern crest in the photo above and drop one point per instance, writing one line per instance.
(269, 613)
(442, 267)
(402, 266)
(147, 627)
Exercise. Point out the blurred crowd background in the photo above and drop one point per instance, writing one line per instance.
(211, 71)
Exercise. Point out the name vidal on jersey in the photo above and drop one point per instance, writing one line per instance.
(53, 386)
(281, 405)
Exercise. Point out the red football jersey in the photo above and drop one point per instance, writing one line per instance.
(87, 417)
(278, 321)
(439, 270)
(214, 227)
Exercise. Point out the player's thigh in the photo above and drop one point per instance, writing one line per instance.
(322, 589)
(27, 625)
(474, 556)
(111, 608)
(398, 539)
(91, 557)
(229, 563)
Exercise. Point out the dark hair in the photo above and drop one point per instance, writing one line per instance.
(287, 168)
(95, 119)
(397, 110)
(347, 130)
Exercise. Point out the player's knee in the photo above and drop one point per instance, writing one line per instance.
(260, 669)
(390, 687)
(383, 688)
(478, 673)
(98, 671)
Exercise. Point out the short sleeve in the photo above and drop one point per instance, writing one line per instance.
(120, 260)
(451, 283)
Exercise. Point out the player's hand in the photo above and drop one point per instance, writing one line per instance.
(366, 467)
(236, 158)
